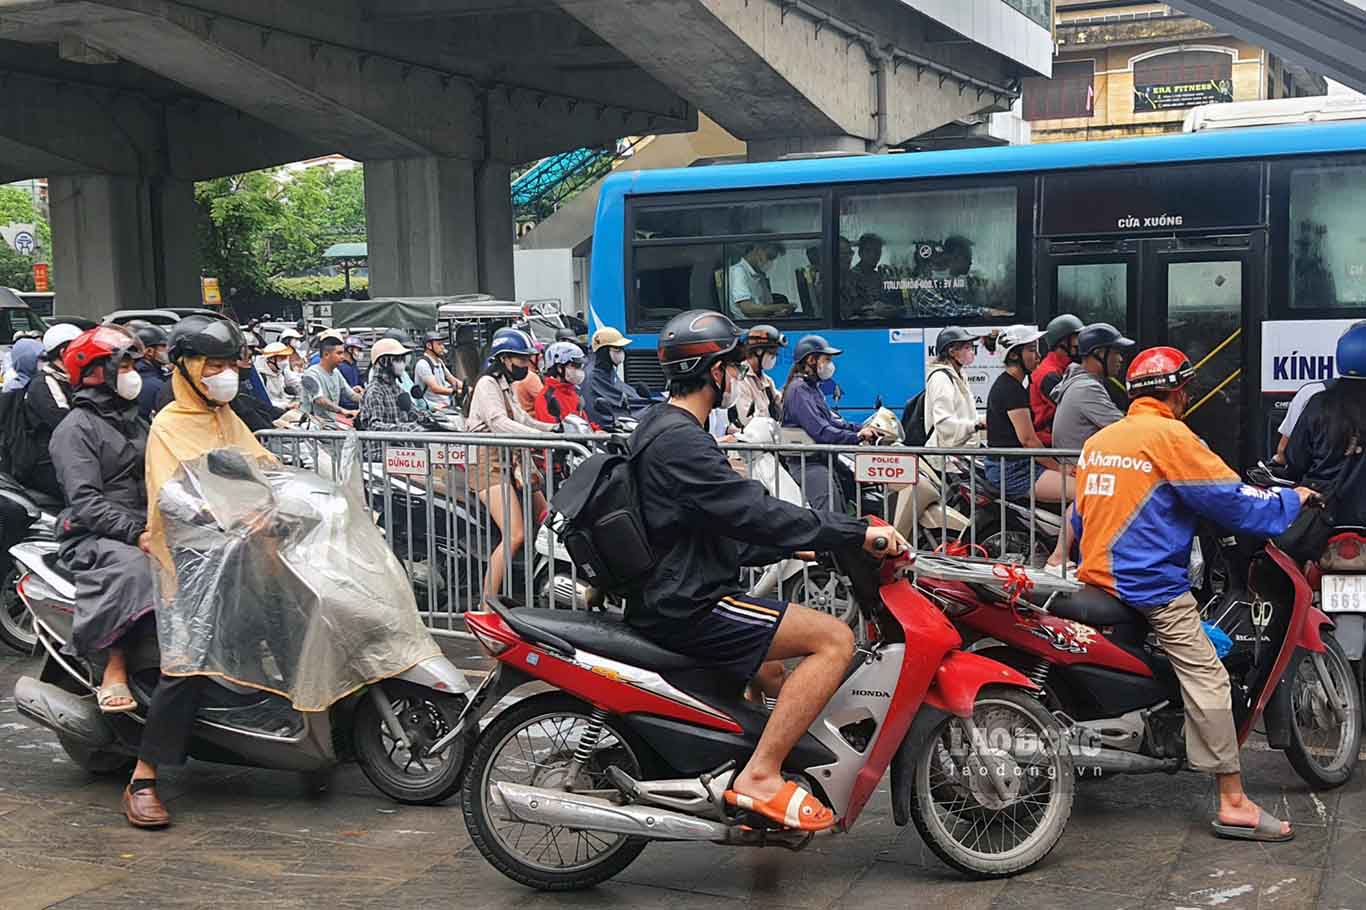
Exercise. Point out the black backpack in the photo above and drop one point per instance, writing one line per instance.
(17, 447)
(599, 518)
(913, 421)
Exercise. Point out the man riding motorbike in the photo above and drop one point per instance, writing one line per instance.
(152, 366)
(1143, 482)
(97, 452)
(704, 522)
(204, 351)
(1060, 337)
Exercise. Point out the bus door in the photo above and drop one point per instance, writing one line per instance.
(1095, 280)
(1206, 298)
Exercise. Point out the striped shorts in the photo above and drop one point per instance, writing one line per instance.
(734, 636)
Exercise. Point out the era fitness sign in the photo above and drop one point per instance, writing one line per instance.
(1298, 351)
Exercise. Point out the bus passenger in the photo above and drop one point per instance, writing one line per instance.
(1061, 340)
(751, 295)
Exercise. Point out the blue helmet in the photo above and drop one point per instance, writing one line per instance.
(1351, 356)
(813, 344)
(511, 341)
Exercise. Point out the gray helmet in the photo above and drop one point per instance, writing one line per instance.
(1059, 328)
(951, 335)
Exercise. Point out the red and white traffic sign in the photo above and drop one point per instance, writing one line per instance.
(872, 468)
(412, 462)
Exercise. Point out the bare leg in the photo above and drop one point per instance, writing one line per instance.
(502, 502)
(768, 681)
(828, 646)
(1050, 485)
(116, 673)
(1059, 555)
(1235, 808)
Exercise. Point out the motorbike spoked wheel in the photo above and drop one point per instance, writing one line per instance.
(822, 588)
(1012, 544)
(16, 623)
(970, 823)
(96, 761)
(406, 774)
(1323, 749)
(533, 744)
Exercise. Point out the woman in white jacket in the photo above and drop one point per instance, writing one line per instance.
(951, 418)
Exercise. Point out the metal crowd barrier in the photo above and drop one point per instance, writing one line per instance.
(423, 492)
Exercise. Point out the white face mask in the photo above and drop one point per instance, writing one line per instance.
(397, 367)
(732, 391)
(129, 385)
(222, 387)
(769, 361)
(575, 375)
(618, 356)
(826, 370)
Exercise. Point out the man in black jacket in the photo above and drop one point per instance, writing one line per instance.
(705, 522)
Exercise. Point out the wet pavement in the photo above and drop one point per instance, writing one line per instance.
(246, 838)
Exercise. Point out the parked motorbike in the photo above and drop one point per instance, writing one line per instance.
(1102, 670)
(16, 626)
(634, 744)
(388, 727)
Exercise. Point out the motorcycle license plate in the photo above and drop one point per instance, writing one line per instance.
(1344, 593)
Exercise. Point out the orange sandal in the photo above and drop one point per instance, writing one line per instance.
(792, 807)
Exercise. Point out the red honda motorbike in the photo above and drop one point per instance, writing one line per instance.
(632, 744)
(1109, 682)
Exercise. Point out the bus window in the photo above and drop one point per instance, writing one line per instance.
(1095, 292)
(1327, 240)
(756, 261)
(946, 255)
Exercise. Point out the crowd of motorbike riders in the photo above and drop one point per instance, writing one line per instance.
(102, 417)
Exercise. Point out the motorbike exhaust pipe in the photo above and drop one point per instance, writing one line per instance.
(575, 594)
(540, 806)
(62, 711)
(1091, 762)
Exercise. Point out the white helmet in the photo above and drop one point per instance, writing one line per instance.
(563, 352)
(289, 335)
(1016, 335)
(60, 334)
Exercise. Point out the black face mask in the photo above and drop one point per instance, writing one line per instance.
(517, 374)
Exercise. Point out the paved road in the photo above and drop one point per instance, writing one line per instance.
(246, 839)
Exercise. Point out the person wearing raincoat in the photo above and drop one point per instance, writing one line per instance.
(204, 352)
(23, 363)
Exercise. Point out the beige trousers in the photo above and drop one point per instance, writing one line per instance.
(1211, 738)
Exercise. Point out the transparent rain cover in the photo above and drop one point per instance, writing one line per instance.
(282, 582)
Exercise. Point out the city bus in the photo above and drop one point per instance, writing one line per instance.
(1245, 248)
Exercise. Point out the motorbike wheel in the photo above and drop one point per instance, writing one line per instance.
(956, 805)
(532, 744)
(1322, 749)
(822, 588)
(16, 623)
(96, 761)
(407, 774)
(1012, 544)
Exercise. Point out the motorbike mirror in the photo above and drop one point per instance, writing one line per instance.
(604, 406)
(877, 403)
(405, 402)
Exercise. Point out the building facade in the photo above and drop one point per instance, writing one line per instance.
(1135, 69)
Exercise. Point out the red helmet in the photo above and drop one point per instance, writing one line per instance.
(1159, 370)
(85, 356)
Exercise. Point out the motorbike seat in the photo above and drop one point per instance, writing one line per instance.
(593, 632)
(1095, 607)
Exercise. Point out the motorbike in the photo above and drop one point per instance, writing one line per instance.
(1009, 529)
(1103, 672)
(387, 727)
(16, 626)
(632, 743)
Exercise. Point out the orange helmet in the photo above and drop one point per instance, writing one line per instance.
(1159, 370)
(85, 356)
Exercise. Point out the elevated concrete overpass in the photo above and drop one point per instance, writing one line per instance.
(124, 103)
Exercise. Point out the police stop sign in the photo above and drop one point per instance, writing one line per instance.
(870, 468)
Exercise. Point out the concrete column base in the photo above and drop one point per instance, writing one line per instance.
(123, 243)
(438, 226)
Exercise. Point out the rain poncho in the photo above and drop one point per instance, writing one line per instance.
(23, 363)
(278, 579)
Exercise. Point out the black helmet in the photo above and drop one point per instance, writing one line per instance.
(1059, 328)
(206, 336)
(150, 335)
(1101, 335)
(692, 341)
(813, 344)
(765, 336)
(951, 335)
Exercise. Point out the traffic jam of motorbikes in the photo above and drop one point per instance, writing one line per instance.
(716, 610)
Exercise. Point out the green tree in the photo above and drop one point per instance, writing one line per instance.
(16, 207)
(16, 269)
(238, 216)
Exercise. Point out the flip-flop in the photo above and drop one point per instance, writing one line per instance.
(1267, 830)
(105, 695)
(792, 807)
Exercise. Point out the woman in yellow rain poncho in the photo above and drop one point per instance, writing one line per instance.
(204, 350)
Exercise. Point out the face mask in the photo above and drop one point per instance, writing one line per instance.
(965, 355)
(575, 375)
(396, 368)
(769, 361)
(826, 370)
(618, 356)
(221, 387)
(517, 374)
(129, 385)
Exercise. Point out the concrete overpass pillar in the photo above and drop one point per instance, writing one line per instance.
(438, 226)
(123, 243)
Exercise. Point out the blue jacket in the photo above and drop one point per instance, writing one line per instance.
(153, 378)
(602, 381)
(804, 406)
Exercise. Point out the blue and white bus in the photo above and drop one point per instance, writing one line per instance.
(1246, 248)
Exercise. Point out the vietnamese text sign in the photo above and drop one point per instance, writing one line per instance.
(1297, 351)
(876, 468)
(40, 277)
(410, 461)
(1181, 94)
